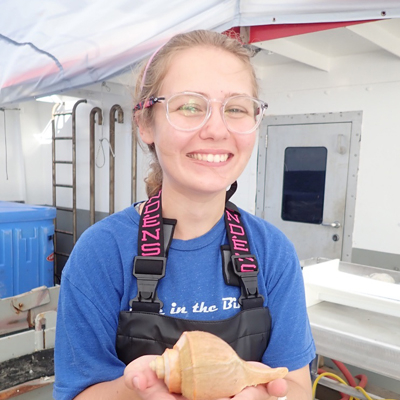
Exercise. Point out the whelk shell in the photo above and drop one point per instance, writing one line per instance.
(202, 366)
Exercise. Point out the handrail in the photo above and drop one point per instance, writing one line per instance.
(120, 120)
(98, 111)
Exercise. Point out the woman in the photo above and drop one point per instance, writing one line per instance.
(198, 113)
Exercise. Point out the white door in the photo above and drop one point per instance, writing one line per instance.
(307, 180)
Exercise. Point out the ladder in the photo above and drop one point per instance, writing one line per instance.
(55, 184)
(95, 112)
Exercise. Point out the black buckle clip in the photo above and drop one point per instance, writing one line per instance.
(147, 281)
(248, 279)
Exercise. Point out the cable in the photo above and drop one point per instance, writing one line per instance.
(363, 380)
(364, 393)
(338, 378)
(361, 377)
(344, 395)
(346, 373)
(101, 148)
(343, 369)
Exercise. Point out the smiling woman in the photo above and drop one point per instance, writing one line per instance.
(191, 76)
(199, 263)
(175, 137)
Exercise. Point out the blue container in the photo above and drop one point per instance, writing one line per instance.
(26, 247)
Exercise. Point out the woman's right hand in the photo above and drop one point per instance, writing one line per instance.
(139, 377)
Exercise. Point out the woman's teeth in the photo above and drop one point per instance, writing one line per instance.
(211, 158)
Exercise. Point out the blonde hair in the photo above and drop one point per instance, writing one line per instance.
(152, 74)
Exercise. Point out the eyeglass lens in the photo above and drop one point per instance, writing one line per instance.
(241, 114)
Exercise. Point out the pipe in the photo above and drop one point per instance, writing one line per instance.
(74, 213)
(134, 163)
(120, 120)
(95, 110)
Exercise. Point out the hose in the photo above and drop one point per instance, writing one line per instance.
(338, 378)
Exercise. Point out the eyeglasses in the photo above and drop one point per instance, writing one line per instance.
(188, 111)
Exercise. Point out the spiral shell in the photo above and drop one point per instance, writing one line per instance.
(202, 366)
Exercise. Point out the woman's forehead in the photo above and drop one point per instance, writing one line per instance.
(204, 68)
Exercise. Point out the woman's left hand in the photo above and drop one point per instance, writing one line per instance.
(276, 388)
(297, 385)
(273, 389)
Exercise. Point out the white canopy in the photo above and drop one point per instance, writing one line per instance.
(49, 46)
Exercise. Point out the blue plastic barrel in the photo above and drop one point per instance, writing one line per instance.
(26, 247)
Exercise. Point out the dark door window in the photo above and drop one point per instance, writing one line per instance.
(304, 184)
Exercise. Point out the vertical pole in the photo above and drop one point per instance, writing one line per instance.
(120, 120)
(95, 110)
(134, 163)
(74, 213)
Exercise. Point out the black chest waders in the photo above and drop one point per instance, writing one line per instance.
(142, 330)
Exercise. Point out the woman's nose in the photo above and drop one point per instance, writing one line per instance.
(215, 127)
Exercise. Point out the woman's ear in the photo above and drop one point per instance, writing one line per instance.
(145, 130)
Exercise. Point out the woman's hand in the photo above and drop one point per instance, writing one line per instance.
(273, 389)
(296, 385)
(276, 388)
(139, 377)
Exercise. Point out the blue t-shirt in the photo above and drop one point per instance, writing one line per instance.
(97, 283)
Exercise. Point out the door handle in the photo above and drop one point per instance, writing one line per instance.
(335, 224)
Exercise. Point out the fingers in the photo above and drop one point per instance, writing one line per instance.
(277, 388)
(139, 377)
(251, 393)
(136, 380)
(138, 374)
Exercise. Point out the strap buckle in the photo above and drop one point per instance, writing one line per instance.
(245, 267)
(148, 271)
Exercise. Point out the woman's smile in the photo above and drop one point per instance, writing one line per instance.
(210, 157)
